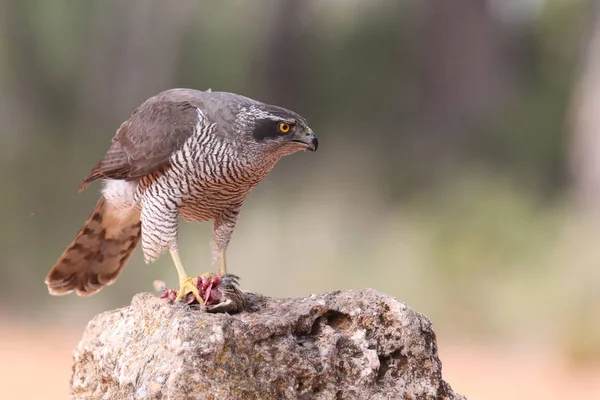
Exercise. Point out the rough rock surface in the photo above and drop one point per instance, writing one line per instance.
(357, 344)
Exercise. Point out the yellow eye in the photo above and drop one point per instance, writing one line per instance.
(284, 128)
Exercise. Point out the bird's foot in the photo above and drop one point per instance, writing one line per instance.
(213, 293)
(188, 291)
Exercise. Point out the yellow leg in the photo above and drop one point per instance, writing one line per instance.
(186, 284)
(222, 263)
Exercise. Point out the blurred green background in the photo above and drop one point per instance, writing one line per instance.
(458, 168)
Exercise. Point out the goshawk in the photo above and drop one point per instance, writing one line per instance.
(185, 153)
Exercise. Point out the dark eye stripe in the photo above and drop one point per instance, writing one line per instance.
(267, 128)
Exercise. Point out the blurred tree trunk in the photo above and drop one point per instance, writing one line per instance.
(287, 66)
(460, 58)
(585, 121)
(466, 73)
(32, 94)
(122, 67)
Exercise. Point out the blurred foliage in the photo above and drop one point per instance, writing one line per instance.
(441, 178)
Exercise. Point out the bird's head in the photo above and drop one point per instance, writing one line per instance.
(277, 129)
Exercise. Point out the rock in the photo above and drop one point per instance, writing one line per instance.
(357, 344)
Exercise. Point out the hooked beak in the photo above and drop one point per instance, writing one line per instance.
(307, 139)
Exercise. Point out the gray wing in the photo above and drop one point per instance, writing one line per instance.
(144, 143)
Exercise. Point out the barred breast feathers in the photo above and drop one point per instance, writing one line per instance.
(211, 172)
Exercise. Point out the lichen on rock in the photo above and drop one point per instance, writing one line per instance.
(357, 344)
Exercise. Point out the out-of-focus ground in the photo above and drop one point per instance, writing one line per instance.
(508, 372)
(458, 168)
(39, 366)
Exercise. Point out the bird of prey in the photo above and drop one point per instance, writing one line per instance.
(183, 152)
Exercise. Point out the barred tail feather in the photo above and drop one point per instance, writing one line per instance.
(98, 253)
